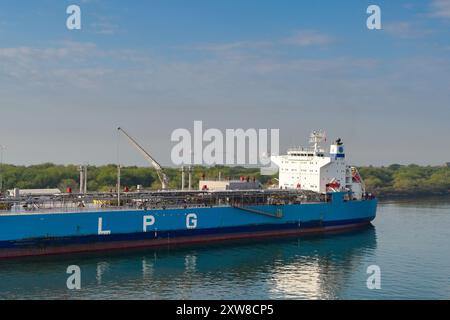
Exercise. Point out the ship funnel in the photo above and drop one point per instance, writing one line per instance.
(337, 149)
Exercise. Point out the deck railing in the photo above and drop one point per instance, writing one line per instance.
(155, 200)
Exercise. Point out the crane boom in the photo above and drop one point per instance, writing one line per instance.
(161, 175)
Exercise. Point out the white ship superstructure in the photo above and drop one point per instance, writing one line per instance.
(312, 169)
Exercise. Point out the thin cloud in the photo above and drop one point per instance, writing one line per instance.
(105, 26)
(300, 38)
(405, 29)
(79, 64)
(224, 47)
(252, 49)
(30, 54)
(308, 38)
(440, 8)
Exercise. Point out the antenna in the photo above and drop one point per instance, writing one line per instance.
(316, 137)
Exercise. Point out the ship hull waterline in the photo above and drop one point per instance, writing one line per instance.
(41, 249)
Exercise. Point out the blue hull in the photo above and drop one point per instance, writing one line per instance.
(54, 233)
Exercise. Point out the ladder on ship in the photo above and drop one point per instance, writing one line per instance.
(277, 215)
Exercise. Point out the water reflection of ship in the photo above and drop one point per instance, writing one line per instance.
(323, 269)
(308, 267)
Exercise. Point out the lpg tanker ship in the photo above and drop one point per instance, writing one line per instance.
(317, 193)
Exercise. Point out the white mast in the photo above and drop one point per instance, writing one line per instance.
(316, 138)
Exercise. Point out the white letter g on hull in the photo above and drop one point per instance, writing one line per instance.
(191, 221)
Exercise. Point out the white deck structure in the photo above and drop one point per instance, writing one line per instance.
(312, 169)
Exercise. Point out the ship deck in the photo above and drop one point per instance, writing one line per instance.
(152, 200)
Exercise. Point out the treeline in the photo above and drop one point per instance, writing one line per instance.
(104, 178)
(411, 180)
(394, 180)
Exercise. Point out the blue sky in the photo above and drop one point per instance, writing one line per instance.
(155, 66)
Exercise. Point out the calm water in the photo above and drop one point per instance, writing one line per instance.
(410, 242)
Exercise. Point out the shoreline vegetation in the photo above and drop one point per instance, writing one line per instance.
(390, 182)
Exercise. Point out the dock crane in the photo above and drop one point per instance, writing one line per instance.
(161, 175)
